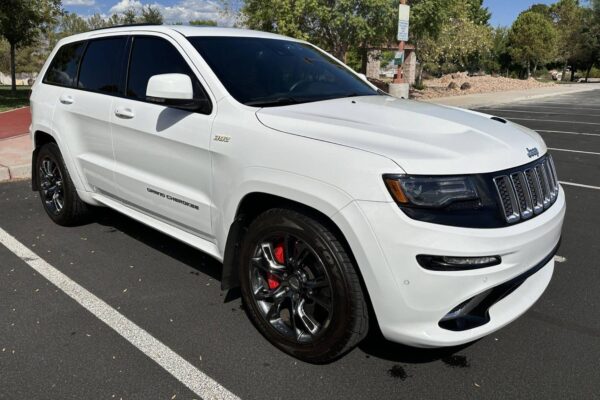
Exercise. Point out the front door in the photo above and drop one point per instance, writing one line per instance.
(163, 165)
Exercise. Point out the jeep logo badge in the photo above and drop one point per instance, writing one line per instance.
(532, 152)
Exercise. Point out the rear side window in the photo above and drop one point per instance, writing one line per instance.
(153, 56)
(101, 66)
(63, 68)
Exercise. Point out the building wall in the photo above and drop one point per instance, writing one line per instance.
(410, 67)
(373, 64)
(22, 78)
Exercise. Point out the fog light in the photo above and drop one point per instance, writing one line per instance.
(452, 263)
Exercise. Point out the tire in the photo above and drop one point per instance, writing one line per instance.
(56, 189)
(300, 287)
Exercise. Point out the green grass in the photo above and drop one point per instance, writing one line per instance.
(8, 101)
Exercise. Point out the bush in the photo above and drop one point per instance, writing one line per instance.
(595, 72)
(419, 86)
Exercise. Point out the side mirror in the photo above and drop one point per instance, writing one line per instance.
(174, 90)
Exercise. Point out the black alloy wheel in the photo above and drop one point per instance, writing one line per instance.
(301, 287)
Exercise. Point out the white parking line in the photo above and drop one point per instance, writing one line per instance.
(575, 151)
(198, 382)
(553, 120)
(579, 185)
(569, 133)
(540, 112)
(583, 108)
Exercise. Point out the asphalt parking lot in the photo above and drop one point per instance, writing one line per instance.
(134, 314)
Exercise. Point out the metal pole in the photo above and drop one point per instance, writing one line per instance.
(400, 73)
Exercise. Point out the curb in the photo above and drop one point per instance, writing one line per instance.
(16, 172)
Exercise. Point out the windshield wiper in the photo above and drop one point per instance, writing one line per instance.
(279, 101)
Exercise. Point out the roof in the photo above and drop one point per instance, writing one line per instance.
(181, 29)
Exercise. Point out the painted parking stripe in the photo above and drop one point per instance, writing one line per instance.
(568, 133)
(582, 108)
(198, 382)
(541, 112)
(575, 151)
(579, 185)
(553, 120)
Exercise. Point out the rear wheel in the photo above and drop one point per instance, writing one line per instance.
(57, 192)
(301, 288)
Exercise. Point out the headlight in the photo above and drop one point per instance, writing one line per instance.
(430, 191)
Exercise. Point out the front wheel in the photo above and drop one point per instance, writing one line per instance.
(300, 287)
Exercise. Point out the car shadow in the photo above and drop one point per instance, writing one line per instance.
(167, 245)
(374, 345)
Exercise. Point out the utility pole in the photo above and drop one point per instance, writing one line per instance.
(399, 87)
(400, 73)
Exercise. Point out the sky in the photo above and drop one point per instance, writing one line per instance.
(172, 10)
(504, 12)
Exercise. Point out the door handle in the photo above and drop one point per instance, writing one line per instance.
(66, 99)
(124, 112)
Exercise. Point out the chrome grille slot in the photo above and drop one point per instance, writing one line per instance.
(535, 190)
(551, 180)
(508, 199)
(523, 195)
(529, 191)
(543, 178)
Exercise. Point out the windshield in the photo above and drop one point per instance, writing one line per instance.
(270, 72)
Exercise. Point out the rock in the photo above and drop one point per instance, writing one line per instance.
(452, 85)
(465, 86)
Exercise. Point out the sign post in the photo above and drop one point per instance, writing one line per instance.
(403, 24)
(399, 87)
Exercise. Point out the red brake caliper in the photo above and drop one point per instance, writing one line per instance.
(273, 280)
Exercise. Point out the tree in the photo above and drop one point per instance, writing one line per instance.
(498, 59)
(96, 22)
(542, 9)
(129, 16)
(71, 23)
(22, 21)
(478, 14)
(567, 15)
(335, 26)
(586, 51)
(449, 35)
(151, 15)
(532, 39)
(203, 22)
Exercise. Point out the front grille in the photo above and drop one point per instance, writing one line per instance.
(527, 192)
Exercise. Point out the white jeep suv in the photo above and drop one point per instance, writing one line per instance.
(328, 202)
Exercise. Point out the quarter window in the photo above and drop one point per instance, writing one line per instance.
(63, 68)
(154, 56)
(101, 66)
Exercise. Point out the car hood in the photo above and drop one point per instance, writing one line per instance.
(421, 138)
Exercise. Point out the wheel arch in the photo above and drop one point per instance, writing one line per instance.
(40, 138)
(251, 206)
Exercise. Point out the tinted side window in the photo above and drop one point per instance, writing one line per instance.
(63, 68)
(153, 56)
(100, 69)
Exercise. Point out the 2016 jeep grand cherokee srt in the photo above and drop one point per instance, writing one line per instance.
(329, 203)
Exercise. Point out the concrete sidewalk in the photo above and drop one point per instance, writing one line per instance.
(15, 158)
(497, 98)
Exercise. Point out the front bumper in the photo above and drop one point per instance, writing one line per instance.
(410, 301)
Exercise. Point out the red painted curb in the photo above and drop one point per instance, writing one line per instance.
(14, 123)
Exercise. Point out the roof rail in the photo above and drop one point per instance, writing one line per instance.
(123, 26)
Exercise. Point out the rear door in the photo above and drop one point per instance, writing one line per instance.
(163, 165)
(82, 115)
